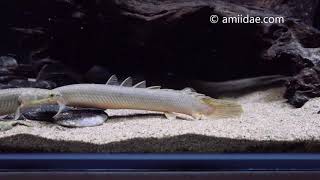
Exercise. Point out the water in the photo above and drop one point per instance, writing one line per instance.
(270, 69)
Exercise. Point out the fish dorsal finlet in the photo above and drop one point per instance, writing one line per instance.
(141, 84)
(154, 87)
(113, 80)
(127, 82)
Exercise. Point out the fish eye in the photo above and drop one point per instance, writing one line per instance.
(51, 95)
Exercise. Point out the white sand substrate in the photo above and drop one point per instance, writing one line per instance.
(267, 118)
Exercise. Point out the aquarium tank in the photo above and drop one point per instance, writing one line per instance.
(159, 76)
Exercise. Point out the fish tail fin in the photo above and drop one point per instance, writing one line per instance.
(222, 108)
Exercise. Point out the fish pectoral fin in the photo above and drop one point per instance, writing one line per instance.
(174, 115)
(170, 116)
(17, 114)
(198, 116)
(189, 90)
(62, 106)
(184, 116)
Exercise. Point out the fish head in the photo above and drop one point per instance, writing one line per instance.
(38, 97)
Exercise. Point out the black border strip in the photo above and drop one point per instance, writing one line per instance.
(159, 162)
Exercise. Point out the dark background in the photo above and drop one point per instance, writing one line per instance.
(162, 41)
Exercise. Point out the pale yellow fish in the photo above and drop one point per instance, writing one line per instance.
(113, 96)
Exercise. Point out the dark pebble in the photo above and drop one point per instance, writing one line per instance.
(298, 100)
(8, 62)
(304, 86)
(70, 117)
(82, 118)
(42, 113)
(11, 117)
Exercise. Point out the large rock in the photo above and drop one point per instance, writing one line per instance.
(307, 11)
(304, 86)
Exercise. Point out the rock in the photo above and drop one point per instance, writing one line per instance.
(303, 86)
(44, 84)
(38, 64)
(6, 86)
(192, 48)
(298, 100)
(70, 117)
(82, 118)
(5, 72)
(316, 22)
(97, 74)
(307, 11)
(8, 62)
(25, 70)
(58, 74)
(188, 45)
(42, 113)
(6, 79)
(12, 116)
(20, 83)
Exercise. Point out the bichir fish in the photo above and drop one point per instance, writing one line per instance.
(114, 95)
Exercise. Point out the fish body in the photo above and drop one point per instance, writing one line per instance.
(186, 101)
(120, 96)
(233, 88)
(239, 86)
(11, 100)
